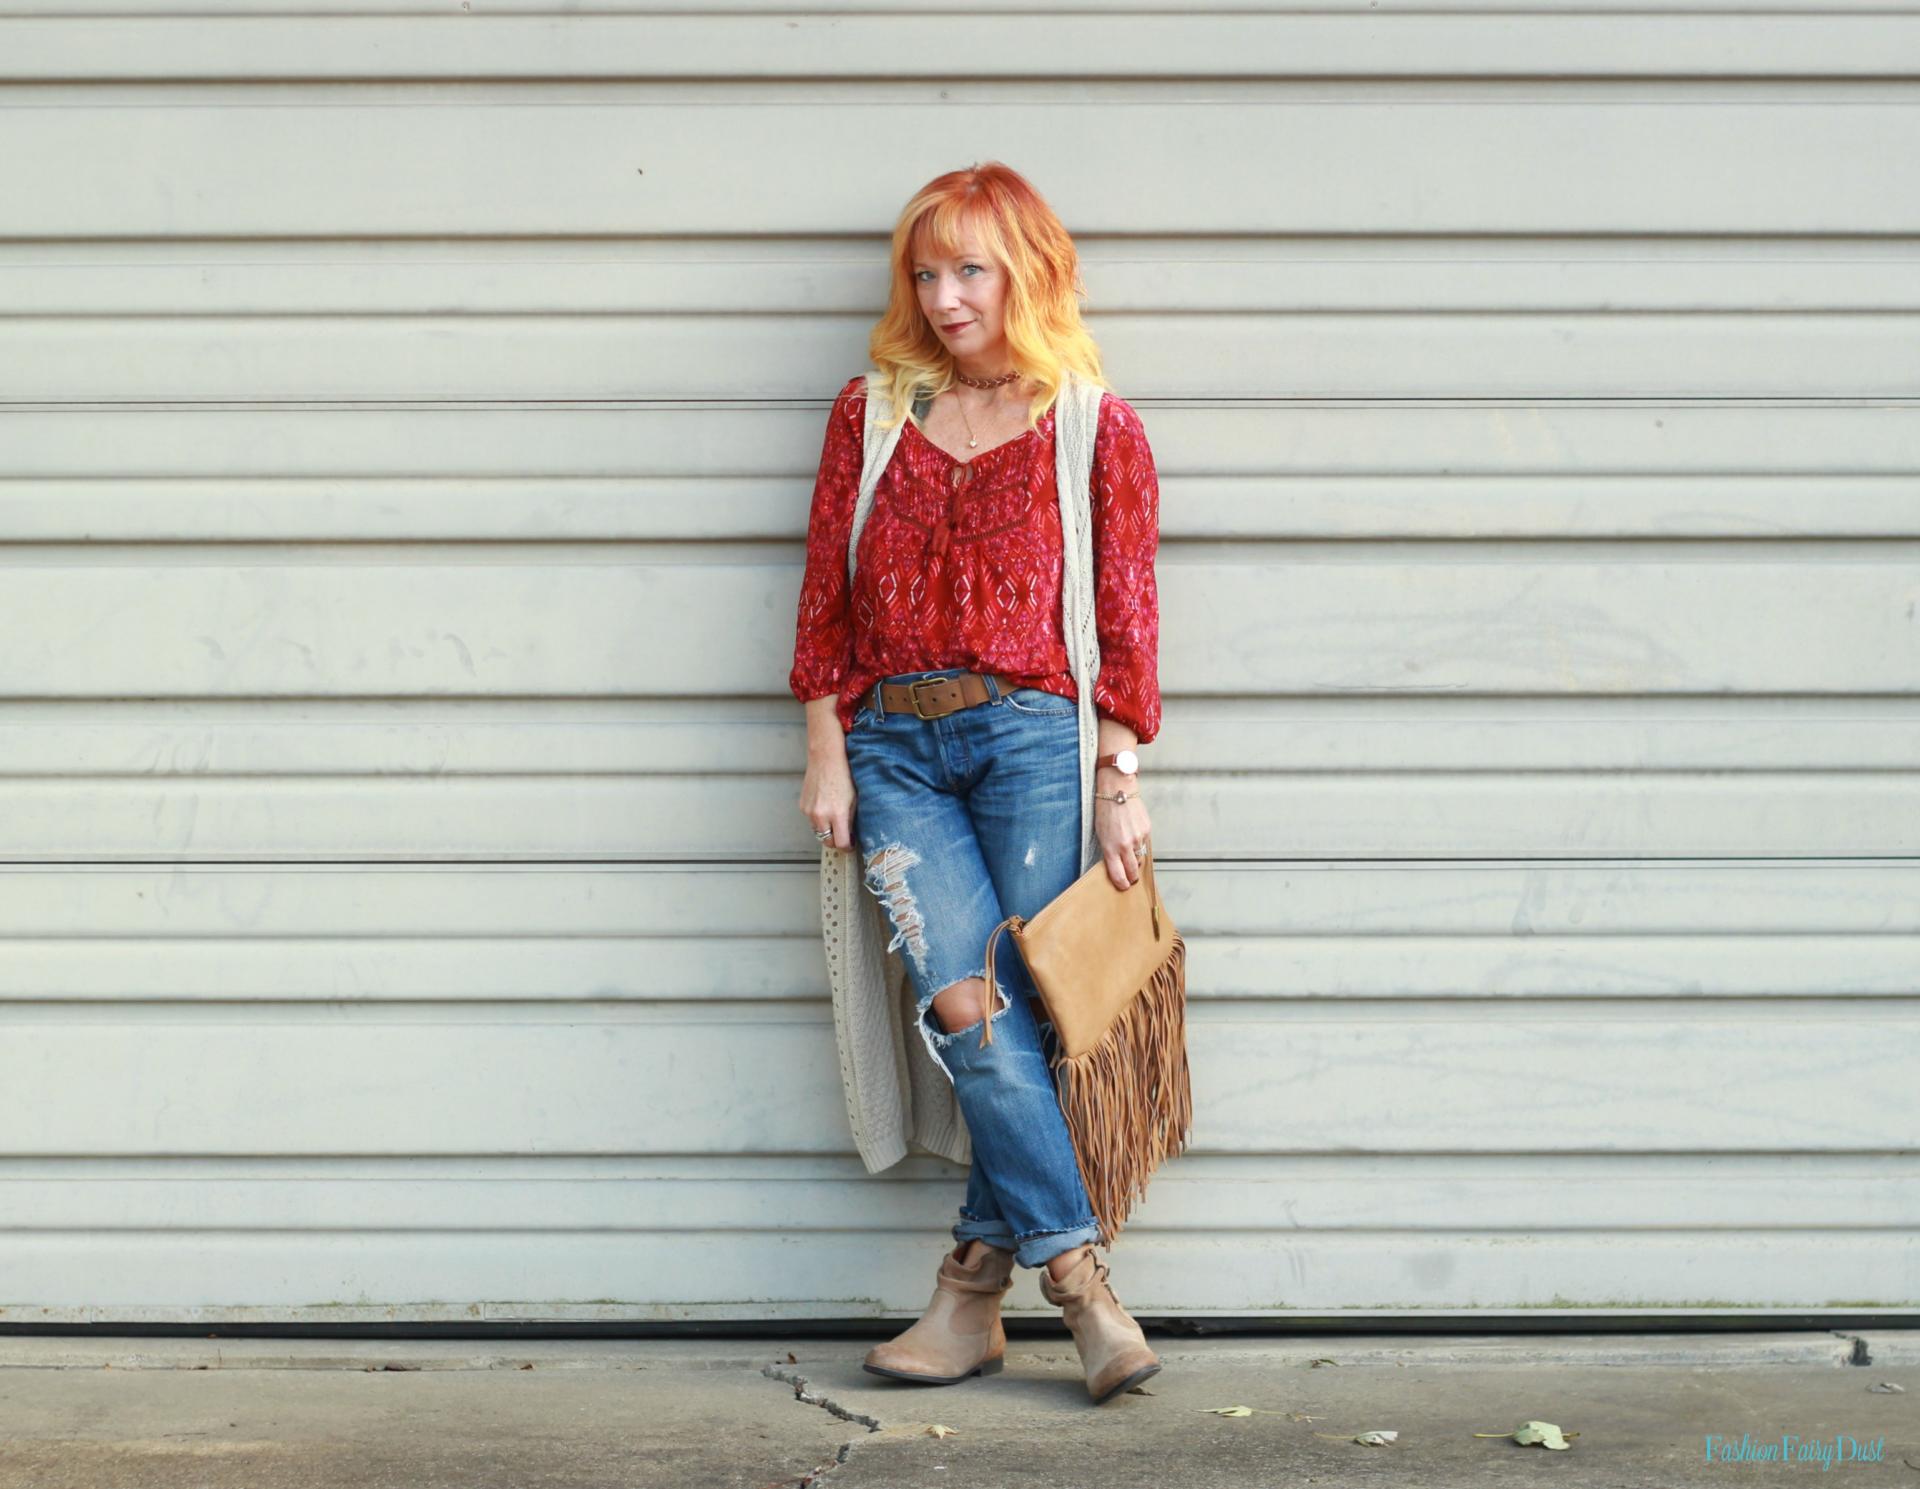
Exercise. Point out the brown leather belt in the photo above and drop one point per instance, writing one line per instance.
(935, 697)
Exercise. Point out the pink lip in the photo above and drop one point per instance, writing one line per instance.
(957, 326)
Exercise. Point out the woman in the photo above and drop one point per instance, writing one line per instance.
(942, 719)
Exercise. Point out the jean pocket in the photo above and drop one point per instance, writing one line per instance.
(1038, 700)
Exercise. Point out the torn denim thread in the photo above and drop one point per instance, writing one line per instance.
(887, 879)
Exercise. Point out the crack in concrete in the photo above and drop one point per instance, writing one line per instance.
(800, 1393)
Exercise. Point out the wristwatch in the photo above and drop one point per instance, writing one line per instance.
(1125, 761)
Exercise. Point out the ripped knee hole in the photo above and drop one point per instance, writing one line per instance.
(968, 1015)
(962, 1010)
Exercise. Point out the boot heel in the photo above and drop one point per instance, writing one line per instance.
(993, 1366)
(1146, 1372)
(1113, 1350)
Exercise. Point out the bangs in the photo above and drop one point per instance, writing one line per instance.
(942, 233)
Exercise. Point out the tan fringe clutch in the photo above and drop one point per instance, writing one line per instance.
(1111, 971)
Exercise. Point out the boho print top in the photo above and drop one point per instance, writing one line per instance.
(959, 565)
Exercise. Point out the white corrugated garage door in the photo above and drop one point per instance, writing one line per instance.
(406, 427)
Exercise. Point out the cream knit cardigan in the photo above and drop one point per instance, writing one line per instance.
(895, 1090)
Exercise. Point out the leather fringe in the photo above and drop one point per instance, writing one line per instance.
(1128, 1100)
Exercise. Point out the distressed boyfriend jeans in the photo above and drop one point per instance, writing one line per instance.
(961, 821)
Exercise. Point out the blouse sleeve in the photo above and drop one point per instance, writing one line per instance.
(823, 633)
(1126, 536)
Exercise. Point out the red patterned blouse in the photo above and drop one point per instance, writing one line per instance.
(959, 565)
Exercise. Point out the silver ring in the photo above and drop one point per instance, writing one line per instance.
(824, 833)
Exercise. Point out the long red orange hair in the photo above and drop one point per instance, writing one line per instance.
(1012, 224)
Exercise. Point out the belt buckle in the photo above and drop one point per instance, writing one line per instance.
(913, 692)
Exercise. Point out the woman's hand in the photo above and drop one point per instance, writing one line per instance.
(1118, 825)
(826, 795)
(827, 799)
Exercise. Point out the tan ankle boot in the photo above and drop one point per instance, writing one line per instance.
(960, 1334)
(1113, 1351)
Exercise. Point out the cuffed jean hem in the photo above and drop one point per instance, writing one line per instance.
(1029, 1251)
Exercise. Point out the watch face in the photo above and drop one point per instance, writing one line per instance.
(1127, 761)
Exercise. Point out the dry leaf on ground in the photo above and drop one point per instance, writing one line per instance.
(1527, 1433)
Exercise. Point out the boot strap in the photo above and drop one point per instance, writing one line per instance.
(967, 1285)
(1096, 1284)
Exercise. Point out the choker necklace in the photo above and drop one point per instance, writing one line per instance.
(973, 440)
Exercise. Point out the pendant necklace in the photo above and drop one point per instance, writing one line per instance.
(973, 440)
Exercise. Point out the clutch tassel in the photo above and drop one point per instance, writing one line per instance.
(1128, 1100)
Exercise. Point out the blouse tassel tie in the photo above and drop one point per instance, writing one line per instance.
(944, 526)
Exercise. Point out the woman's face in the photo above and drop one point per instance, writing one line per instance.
(962, 298)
